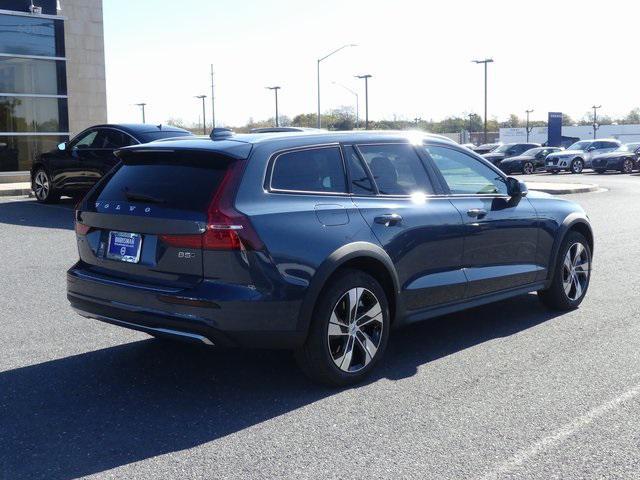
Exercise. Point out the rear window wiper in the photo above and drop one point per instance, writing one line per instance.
(141, 197)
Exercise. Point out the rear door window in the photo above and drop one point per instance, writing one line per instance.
(112, 139)
(313, 170)
(360, 181)
(396, 169)
(176, 180)
(86, 140)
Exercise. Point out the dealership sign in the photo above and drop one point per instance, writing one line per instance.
(555, 129)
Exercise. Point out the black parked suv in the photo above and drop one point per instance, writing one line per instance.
(508, 150)
(316, 242)
(75, 166)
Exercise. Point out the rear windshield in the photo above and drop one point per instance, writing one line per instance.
(182, 181)
(152, 136)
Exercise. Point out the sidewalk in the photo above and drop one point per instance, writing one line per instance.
(15, 189)
(562, 188)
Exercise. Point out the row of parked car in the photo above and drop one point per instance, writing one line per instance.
(600, 155)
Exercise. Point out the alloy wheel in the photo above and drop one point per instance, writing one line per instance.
(627, 166)
(528, 169)
(42, 186)
(576, 166)
(355, 330)
(575, 271)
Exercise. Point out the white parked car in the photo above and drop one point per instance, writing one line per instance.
(579, 155)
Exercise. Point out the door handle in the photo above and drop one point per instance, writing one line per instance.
(388, 219)
(477, 212)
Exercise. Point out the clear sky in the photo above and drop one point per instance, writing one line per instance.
(559, 55)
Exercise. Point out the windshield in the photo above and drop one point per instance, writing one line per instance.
(629, 147)
(579, 146)
(152, 136)
(532, 152)
(502, 148)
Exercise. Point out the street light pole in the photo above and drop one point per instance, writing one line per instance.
(357, 101)
(275, 89)
(366, 99)
(319, 121)
(142, 105)
(213, 104)
(595, 119)
(485, 62)
(204, 114)
(528, 129)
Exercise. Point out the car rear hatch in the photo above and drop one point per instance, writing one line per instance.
(150, 219)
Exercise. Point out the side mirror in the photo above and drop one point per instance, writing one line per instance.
(591, 149)
(63, 146)
(516, 188)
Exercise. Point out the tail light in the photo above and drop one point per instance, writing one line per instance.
(81, 228)
(227, 229)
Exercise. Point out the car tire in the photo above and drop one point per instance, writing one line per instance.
(571, 274)
(42, 188)
(528, 168)
(337, 335)
(627, 166)
(577, 166)
(600, 171)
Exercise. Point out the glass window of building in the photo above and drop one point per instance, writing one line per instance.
(34, 114)
(21, 35)
(29, 75)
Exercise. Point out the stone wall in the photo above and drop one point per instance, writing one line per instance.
(86, 83)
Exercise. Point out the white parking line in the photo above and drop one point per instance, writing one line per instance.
(560, 435)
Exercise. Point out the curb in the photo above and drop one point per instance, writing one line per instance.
(15, 192)
(563, 190)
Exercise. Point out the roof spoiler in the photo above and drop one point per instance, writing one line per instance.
(221, 133)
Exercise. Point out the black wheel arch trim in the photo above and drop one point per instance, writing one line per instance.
(570, 222)
(352, 251)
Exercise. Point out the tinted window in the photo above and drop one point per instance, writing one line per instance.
(183, 181)
(396, 169)
(17, 153)
(28, 75)
(313, 170)
(85, 140)
(112, 139)
(31, 36)
(360, 181)
(25, 114)
(159, 135)
(465, 174)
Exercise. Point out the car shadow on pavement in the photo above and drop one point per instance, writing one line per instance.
(96, 411)
(30, 213)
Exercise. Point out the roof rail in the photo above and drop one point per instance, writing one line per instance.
(221, 133)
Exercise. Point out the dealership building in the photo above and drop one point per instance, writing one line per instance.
(52, 75)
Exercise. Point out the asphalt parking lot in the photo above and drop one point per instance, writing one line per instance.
(506, 391)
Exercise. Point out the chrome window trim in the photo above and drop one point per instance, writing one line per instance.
(121, 131)
(33, 134)
(32, 15)
(273, 158)
(34, 57)
(33, 95)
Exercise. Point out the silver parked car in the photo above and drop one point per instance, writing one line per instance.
(579, 155)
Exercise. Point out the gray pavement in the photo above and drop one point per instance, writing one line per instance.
(506, 391)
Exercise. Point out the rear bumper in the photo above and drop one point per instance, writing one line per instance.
(209, 313)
